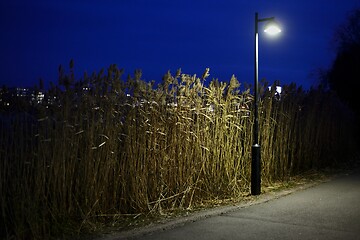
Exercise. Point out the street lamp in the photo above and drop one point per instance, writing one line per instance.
(271, 28)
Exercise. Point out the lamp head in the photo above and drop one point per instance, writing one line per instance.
(272, 28)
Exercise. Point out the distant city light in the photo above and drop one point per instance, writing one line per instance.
(278, 89)
(28, 94)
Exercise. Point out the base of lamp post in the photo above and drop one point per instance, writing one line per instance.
(255, 170)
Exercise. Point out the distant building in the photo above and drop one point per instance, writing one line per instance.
(278, 90)
(9, 96)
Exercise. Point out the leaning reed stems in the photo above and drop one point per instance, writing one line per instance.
(105, 147)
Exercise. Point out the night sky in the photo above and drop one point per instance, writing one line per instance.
(160, 35)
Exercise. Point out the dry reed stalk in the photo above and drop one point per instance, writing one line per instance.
(98, 153)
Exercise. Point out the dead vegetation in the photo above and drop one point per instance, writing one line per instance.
(107, 148)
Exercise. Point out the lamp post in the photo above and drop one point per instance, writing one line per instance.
(272, 29)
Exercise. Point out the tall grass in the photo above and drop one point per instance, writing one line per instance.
(128, 147)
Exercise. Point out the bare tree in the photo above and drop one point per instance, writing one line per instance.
(344, 75)
(347, 35)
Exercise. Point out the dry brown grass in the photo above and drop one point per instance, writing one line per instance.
(98, 155)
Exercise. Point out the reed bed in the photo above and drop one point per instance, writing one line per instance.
(105, 147)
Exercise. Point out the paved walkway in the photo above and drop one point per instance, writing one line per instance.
(330, 210)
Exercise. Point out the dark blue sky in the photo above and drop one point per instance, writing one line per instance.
(159, 35)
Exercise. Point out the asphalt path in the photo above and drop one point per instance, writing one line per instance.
(329, 210)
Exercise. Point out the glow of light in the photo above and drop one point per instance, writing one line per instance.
(278, 89)
(272, 29)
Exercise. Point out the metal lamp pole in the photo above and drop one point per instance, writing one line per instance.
(255, 149)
